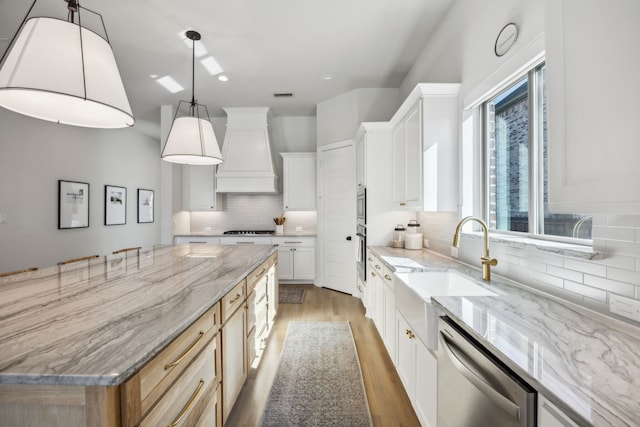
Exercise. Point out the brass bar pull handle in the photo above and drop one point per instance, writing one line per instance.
(386, 276)
(235, 299)
(261, 273)
(188, 406)
(293, 242)
(377, 267)
(403, 204)
(184, 353)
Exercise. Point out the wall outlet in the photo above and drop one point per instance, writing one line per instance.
(454, 252)
(626, 307)
(4, 218)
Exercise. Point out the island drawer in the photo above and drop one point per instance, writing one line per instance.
(232, 300)
(254, 277)
(144, 389)
(185, 398)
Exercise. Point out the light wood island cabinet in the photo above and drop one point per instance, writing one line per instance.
(193, 380)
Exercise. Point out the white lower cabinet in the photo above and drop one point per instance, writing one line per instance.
(550, 416)
(418, 370)
(382, 300)
(296, 258)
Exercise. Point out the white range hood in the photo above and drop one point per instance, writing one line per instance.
(248, 164)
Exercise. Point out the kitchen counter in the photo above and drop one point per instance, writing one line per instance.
(585, 363)
(96, 326)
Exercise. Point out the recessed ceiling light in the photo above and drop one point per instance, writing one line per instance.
(170, 84)
(327, 76)
(223, 78)
(153, 76)
(211, 65)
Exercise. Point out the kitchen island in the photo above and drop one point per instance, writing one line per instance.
(586, 364)
(89, 330)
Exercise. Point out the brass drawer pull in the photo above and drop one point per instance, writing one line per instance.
(188, 406)
(261, 273)
(370, 259)
(373, 274)
(386, 276)
(377, 267)
(238, 296)
(403, 204)
(409, 334)
(184, 353)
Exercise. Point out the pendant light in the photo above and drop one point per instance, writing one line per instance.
(191, 138)
(60, 71)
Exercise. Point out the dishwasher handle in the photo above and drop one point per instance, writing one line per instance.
(505, 404)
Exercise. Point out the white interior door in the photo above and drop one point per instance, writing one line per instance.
(337, 217)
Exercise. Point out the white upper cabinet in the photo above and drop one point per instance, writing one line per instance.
(299, 178)
(199, 189)
(593, 90)
(425, 131)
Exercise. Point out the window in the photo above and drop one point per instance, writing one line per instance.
(515, 146)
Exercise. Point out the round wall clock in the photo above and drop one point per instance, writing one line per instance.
(506, 38)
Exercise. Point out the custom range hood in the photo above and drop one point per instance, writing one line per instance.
(248, 164)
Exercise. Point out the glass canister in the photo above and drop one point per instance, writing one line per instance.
(397, 240)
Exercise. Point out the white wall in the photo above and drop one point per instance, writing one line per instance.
(462, 47)
(338, 118)
(35, 154)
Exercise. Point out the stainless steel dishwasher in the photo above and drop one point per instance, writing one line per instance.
(474, 388)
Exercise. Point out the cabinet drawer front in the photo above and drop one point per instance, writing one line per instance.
(258, 274)
(232, 300)
(156, 376)
(177, 404)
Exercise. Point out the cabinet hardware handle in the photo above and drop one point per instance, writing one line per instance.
(184, 353)
(409, 334)
(235, 299)
(378, 266)
(370, 259)
(386, 276)
(188, 406)
(261, 273)
(373, 274)
(245, 243)
(292, 242)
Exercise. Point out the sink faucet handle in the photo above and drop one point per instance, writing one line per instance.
(485, 260)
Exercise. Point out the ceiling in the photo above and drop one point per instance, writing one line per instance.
(263, 46)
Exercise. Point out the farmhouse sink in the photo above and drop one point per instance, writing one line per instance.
(403, 264)
(413, 299)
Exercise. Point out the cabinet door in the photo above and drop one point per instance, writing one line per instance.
(299, 189)
(233, 359)
(413, 156)
(406, 356)
(304, 263)
(389, 316)
(285, 263)
(198, 188)
(426, 401)
(550, 416)
(361, 161)
(398, 165)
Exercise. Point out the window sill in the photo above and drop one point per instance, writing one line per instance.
(558, 248)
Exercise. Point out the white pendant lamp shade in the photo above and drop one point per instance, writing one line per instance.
(191, 141)
(52, 74)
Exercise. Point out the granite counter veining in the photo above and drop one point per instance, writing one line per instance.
(585, 363)
(99, 324)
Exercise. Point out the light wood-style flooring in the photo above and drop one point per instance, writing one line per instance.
(388, 402)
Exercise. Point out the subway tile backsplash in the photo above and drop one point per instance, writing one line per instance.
(252, 212)
(587, 282)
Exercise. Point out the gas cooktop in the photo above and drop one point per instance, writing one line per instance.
(250, 232)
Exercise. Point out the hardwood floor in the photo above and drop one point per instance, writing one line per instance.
(388, 402)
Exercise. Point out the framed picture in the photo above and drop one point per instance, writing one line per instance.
(145, 205)
(73, 204)
(115, 205)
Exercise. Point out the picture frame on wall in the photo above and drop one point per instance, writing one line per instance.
(115, 205)
(73, 204)
(145, 206)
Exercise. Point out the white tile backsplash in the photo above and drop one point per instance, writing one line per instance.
(252, 212)
(586, 282)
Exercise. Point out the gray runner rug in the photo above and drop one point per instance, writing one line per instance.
(291, 295)
(319, 381)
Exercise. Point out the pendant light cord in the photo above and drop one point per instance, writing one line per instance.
(193, 76)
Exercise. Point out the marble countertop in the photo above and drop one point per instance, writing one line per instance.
(221, 234)
(585, 363)
(99, 324)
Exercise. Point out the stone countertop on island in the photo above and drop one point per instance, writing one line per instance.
(98, 325)
(584, 362)
(221, 234)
